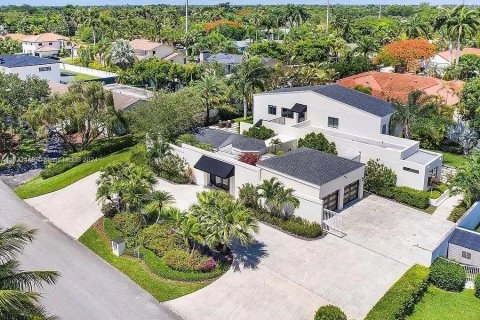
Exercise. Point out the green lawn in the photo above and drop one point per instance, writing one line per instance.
(39, 186)
(159, 288)
(242, 119)
(454, 160)
(82, 76)
(438, 304)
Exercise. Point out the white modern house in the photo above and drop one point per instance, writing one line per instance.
(320, 180)
(147, 49)
(443, 59)
(46, 44)
(358, 124)
(27, 65)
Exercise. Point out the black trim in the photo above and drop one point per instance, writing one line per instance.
(299, 108)
(216, 167)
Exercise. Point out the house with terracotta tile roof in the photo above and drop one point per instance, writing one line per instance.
(396, 86)
(45, 44)
(145, 48)
(443, 59)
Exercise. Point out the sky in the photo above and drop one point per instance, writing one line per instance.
(233, 2)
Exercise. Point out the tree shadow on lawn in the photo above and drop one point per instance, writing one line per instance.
(248, 256)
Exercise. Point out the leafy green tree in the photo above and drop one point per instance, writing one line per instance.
(276, 197)
(261, 133)
(317, 141)
(379, 177)
(470, 101)
(307, 51)
(367, 45)
(9, 46)
(465, 22)
(466, 180)
(215, 43)
(267, 49)
(122, 54)
(18, 299)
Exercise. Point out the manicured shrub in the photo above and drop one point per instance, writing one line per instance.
(109, 209)
(447, 275)
(295, 225)
(159, 239)
(103, 147)
(477, 286)
(127, 223)
(249, 158)
(412, 197)
(458, 212)
(379, 177)
(65, 164)
(183, 261)
(330, 312)
(399, 301)
(317, 141)
(111, 230)
(261, 132)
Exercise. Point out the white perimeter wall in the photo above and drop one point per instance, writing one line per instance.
(89, 71)
(24, 72)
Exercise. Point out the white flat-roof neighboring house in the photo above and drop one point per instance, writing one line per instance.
(442, 59)
(45, 44)
(27, 65)
(358, 124)
(230, 61)
(147, 49)
(242, 45)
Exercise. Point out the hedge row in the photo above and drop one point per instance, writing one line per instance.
(415, 198)
(399, 301)
(97, 149)
(295, 225)
(447, 275)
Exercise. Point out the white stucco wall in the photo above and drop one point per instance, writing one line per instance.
(23, 72)
(89, 71)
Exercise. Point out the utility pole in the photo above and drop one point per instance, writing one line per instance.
(186, 16)
(380, 12)
(328, 15)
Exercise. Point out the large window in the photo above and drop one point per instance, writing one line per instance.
(220, 182)
(272, 109)
(287, 113)
(350, 192)
(333, 122)
(330, 202)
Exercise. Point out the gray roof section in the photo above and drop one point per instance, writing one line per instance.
(23, 60)
(219, 139)
(226, 58)
(310, 165)
(348, 96)
(465, 238)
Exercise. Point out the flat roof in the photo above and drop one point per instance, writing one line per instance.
(23, 60)
(422, 157)
(126, 90)
(466, 238)
(312, 166)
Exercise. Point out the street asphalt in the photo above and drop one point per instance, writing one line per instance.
(89, 288)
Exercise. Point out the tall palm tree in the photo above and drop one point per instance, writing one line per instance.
(465, 22)
(248, 77)
(444, 21)
(122, 54)
(18, 299)
(367, 45)
(161, 199)
(416, 27)
(210, 88)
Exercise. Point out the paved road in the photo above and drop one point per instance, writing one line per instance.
(89, 287)
(73, 209)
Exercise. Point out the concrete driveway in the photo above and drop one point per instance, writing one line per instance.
(89, 288)
(394, 230)
(185, 195)
(73, 209)
(282, 277)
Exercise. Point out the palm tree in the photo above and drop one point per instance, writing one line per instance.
(275, 142)
(18, 300)
(161, 199)
(367, 45)
(416, 27)
(444, 21)
(91, 19)
(465, 22)
(122, 54)
(190, 230)
(466, 180)
(211, 89)
(248, 77)
(276, 196)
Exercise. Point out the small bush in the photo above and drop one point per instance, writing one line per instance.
(458, 212)
(330, 312)
(399, 301)
(109, 209)
(127, 223)
(477, 286)
(159, 239)
(261, 132)
(184, 261)
(447, 275)
(295, 225)
(249, 158)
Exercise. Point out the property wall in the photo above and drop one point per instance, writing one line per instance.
(23, 72)
(319, 109)
(455, 253)
(89, 71)
(310, 208)
(471, 218)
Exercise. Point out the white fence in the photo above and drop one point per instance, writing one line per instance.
(332, 222)
(471, 273)
(89, 71)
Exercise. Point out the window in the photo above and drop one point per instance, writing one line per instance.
(332, 122)
(287, 113)
(330, 202)
(432, 174)
(40, 44)
(350, 192)
(153, 52)
(41, 69)
(411, 170)
(272, 109)
(384, 129)
(50, 43)
(466, 255)
(219, 182)
(301, 117)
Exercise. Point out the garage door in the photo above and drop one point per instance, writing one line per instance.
(351, 192)
(330, 202)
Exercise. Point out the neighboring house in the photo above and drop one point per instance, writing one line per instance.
(464, 247)
(442, 59)
(127, 97)
(357, 123)
(15, 36)
(230, 61)
(231, 143)
(27, 65)
(242, 45)
(46, 44)
(147, 49)
(396, 86)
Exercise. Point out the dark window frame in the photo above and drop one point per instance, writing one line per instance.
(287, 113)
(350, 192)
(219, 182)
(411, 170)
(301, 116)
(272, 109)
(328, 201)
(466, 255)
(333, 122)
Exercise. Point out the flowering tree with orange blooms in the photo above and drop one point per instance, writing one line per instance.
(406, 55)
(214, 24)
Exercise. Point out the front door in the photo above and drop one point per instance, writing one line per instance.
(220, 182)
(350, 192)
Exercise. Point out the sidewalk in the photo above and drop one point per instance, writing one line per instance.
(443, 210)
